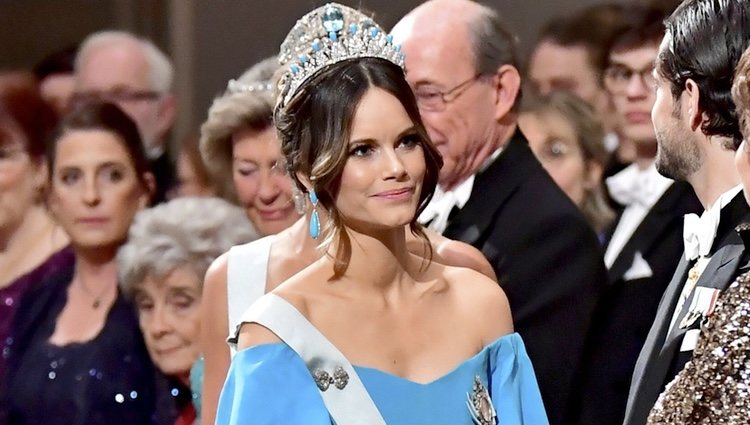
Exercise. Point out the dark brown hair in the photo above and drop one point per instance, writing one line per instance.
(315, 127)
(591, 28)
(23, 108)
(107, 117)
(641, 26)
(705, 39)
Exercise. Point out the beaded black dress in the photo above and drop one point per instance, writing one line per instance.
(714, 387)
(107, 380)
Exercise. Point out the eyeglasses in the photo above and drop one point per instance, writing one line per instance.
(115, 96)
(429, 98)
(617, 78)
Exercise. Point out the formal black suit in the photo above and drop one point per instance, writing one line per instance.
(548, 261)
(629, 304)
(661, 359)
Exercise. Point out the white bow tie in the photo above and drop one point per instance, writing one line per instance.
(436, 214)
(699, 233)
(628, 189)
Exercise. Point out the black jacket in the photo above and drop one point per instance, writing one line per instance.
(628, 306)
(661, 359)
(547, 259)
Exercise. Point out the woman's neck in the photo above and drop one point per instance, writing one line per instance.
(96, 265)
(28, 244)
(35, 221)
(379, 261)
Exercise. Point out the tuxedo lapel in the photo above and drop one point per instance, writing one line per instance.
(649, 231)
(657, 334)
(718, 273)
(645, 385)
(492, 188)
(659, 353)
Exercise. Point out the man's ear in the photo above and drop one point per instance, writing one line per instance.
(506, 84)
(167, 113)
(691, 100)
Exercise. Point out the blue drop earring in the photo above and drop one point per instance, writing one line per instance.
(314, 218)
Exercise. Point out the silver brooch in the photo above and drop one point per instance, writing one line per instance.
(480, 404)
(324, 379)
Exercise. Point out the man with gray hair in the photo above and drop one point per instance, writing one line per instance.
(121, 68)
(494, 194)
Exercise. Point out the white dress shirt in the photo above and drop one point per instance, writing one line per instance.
(435, 215)
(705, 225)
(638, 190)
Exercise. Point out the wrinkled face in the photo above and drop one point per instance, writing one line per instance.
(553, 67)
(629, 79)
(382, 179)
(263, 187)
(462, 125)
(678, 155)
(95, 191)
(169, 315)
(57, 90)
(120, 74)
(20, 177)
(555, 144)
(188, 183)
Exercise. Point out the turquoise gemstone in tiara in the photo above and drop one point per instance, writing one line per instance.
(318, 40)
(333, 19)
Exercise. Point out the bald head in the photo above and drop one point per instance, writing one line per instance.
(437, 24)
(460, 59)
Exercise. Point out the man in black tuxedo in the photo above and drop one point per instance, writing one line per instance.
(645, 243)
(494, 194)
(118, 67)
(697, 133)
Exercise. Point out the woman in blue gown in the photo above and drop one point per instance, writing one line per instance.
(370, 333)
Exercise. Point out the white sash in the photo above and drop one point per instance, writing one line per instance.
(349, 405)
(247, 267)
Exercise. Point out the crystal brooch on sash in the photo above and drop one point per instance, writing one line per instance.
(480, 404)
(324, 380)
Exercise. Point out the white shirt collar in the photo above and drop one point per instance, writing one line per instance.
(634, 185)
(699, 232)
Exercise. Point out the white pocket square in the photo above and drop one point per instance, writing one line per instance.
(639, 270)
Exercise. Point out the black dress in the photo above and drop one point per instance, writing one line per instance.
(107, 380)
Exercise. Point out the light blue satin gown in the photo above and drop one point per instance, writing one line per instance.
(270, 384)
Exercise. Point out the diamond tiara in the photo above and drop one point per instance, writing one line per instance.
(330, 34)
(234, 86)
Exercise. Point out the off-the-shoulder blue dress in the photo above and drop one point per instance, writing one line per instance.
(270, 384)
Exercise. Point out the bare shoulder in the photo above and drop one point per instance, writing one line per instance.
(455, 253)
(298, 291)
(482, 301)
(253, 334)
(216, 275)
(460, 254)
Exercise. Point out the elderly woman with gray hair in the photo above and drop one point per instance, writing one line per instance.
(161, 268)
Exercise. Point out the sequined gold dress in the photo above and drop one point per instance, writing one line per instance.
(714, 387)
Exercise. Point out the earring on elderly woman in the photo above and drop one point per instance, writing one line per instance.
(300, 203)
(314, 219)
